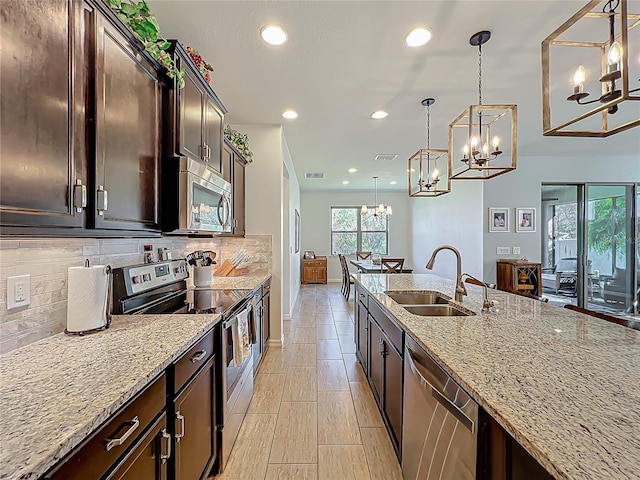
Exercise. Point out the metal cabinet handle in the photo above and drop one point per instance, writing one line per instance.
(180, 417)
(167, 441)
(208, 152)
(198, 356)
(79, 196)
(381, 347)
(103, 200)
(116, 442)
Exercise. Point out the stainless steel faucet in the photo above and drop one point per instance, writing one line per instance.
(487, 304)
(460, 289)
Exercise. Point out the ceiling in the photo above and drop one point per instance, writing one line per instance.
(344, 60)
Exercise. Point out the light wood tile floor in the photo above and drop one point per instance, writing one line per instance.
(313, 416)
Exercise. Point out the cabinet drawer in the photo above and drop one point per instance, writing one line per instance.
(191, 361)
(393, 331)
(102, 451)
(362, 297)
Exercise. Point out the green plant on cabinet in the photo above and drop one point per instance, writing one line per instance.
(137, 16)
(240, 141)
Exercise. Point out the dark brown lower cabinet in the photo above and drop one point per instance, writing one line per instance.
(194, 428)
(500, 457)
(123, 443)
(385, 377)
(148, 459)
(362, 335)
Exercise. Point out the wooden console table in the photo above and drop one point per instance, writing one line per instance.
(519, 277)
(314, 270)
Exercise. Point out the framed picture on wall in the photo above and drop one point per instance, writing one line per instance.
(525, 220)
(498, 219)
(297, 233)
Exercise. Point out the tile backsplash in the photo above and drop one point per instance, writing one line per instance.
(47, 261)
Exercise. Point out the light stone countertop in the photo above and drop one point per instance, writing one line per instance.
(565, 385)
(55, 392)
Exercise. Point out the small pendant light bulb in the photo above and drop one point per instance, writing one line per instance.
(615, 54)
(579, 76)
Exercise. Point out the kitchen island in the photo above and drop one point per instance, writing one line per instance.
(564, 385)
(56, 392)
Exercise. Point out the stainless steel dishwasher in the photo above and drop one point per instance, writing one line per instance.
(439, 429)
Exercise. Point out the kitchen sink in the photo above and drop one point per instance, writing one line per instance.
(417, 298)
(436, 311)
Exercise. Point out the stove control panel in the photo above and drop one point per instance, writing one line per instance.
(146, 277)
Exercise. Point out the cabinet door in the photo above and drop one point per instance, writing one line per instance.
(266, 319)
(148, 459)
(321, 273)
(362, 334)
(42, 140)
(128, 109)
(227, 162)
(308, 272)
(191, 117)
(376, 360)
(213, 134)
(195, 426)
(238, 196)
(393, 371)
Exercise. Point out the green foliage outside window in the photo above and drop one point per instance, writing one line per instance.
(351, 232)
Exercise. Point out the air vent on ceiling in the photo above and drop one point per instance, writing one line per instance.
(314, 176)
(386, 157)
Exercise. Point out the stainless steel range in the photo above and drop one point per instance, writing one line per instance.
(161, 288)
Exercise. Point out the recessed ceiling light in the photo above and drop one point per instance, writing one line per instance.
(393, 182)
(273, 34)
(345, 182)
(417, 37)
(290, 114)
(352, 170)
(379, 114)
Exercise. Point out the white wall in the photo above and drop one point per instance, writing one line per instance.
(294, 205)
(522, 188)
(316, 223)
(265, 204)
(453, 219)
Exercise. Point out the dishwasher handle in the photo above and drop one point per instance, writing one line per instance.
(440, 397)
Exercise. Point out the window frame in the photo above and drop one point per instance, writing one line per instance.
(359, 230)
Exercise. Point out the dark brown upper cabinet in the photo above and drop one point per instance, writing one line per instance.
(233, 159)
(42, 134)
(81, 121)
(128, 111)
(195, 115)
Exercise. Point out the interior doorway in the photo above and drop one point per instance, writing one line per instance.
(590, 252)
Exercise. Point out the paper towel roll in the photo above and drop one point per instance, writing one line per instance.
(87, 298)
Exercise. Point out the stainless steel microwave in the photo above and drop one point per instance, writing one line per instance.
(196, 199)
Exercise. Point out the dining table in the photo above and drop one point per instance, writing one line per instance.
(367, 266)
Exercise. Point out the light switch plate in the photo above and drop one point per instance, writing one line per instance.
(18, 291)
(503, 250)
(516, 250)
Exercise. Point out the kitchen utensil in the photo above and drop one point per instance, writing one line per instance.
(202, 276)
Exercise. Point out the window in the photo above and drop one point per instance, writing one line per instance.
(352, 232)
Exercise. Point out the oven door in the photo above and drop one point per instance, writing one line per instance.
(205, 201)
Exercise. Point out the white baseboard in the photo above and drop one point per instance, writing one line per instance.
(334, 280)
(286, 317)
(275, 343)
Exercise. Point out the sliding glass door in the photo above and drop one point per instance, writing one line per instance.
(610, 259)
(590, 248)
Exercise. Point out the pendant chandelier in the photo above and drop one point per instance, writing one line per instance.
(433, 166)
(379, 209)
(602, 41)
(486, 135)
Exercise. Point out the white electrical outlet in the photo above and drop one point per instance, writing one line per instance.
(516, 250)
(503, 250)
(18, 291)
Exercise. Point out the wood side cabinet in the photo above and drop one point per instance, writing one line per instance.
(314, 270)
(519, 277)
